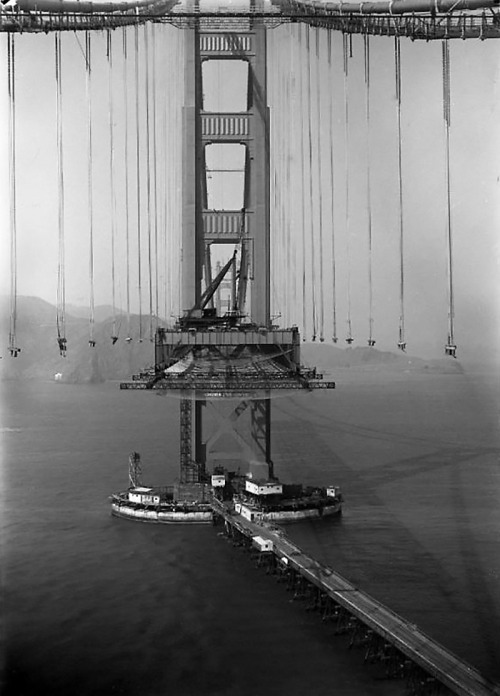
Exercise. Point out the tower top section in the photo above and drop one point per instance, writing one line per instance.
(226, 181)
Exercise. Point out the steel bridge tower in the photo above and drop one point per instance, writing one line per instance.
(248, 227)
(226, 364)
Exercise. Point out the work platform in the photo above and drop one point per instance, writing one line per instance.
(228, 362)
(385, 635)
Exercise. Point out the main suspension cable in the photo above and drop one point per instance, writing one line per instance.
(88, 67)
(402, 340)
(61, 275)
(11, 81)
(450, 348)
(371, 340)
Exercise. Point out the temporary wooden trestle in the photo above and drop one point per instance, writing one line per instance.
(405, 651)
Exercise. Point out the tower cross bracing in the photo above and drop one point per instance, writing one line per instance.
(211, 356)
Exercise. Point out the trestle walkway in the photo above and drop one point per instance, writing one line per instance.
(406, 652)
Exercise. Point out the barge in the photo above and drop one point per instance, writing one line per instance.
(254, 499)
(227, 368)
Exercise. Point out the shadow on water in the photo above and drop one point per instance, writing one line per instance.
(102, 606)
(484, 607)
(450, 457)
(418, 530)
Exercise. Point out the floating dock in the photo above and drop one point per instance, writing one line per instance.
(407, 652)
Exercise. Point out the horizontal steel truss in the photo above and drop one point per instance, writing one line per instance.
(426, 27)
(222, 387)
(415, 26)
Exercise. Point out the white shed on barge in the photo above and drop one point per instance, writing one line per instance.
(143, 495)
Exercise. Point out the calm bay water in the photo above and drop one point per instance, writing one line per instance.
(96, 605)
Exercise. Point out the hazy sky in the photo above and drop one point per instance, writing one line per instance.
(475, 178)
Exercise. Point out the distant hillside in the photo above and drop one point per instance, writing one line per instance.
(40, 359)
(327, 357)
(101, 312)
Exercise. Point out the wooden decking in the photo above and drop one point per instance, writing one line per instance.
(457, 676)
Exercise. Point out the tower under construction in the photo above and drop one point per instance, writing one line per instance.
(226, 357)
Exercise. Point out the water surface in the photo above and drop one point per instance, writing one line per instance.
(96, 605)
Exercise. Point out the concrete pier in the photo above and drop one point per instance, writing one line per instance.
(407, 652)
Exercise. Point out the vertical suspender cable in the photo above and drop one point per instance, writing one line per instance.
(302, 166)
(167, 206)
(320, 195)
(138, 177)
(148, 181)
(109, 51)
(127, 225)
(288, 183)
(450, 348)
(313, 250)
(345, 38)
(287, 131)
(170, 210)
(180, 83)
(160, 184)
(173, 262)
(275, 176)
(397, 55)
(61, 280)
(279, 240)
(272, 176)
(175, 146)
(285, 271)
(275, 188)
(371, 340)
(88, 59)
(180, 63)
(13, 349)
(282, 277)
(175, 149)
(332, 184)
(155, 173)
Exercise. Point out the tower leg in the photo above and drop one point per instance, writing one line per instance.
(192, 459)
(261, 431)
(186, 438)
